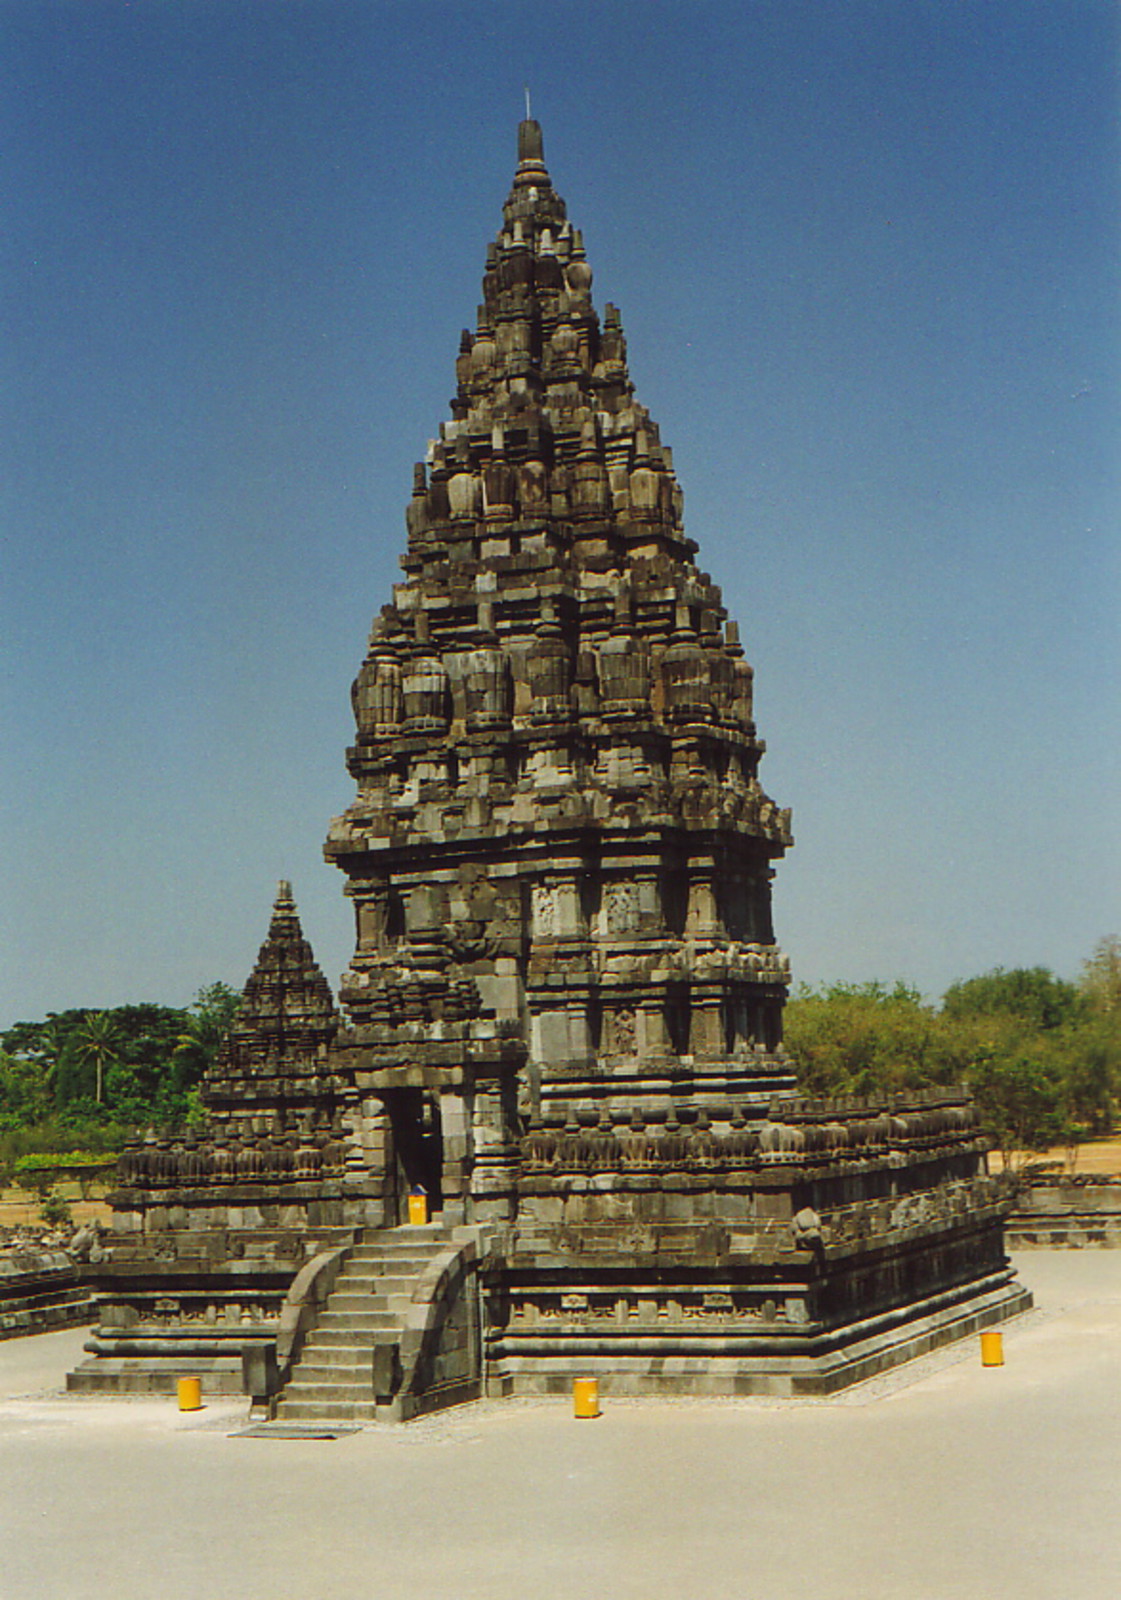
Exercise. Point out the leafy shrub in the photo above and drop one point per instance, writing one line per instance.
(55, 1210)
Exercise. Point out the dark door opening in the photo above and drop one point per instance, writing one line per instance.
(419, 1145)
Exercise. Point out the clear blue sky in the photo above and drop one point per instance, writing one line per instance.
(867, 259)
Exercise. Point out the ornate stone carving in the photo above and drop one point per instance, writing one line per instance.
(621, 907)
(545, 910)
(623, 1030)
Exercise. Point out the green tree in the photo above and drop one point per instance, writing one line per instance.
(97, 1043)
(1031, 994)
(83, 1079)
(1019, 1099)
(1043, 1062)
(142, 1084)
(1091, 1073)
(866, 1039)
(24, 1090)
(1100, 983)
(204, 1027)
(46, 1044)
(48, 1047)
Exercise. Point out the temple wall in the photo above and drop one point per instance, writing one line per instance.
(41, 1290)
(1075, 1212)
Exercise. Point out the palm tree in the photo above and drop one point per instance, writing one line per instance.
(49, 1044)
(97, 1039)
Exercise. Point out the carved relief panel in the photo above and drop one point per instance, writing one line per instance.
(543, 910)
(620, 908)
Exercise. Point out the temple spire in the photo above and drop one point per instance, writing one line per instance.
(284, 907)
(287, 1004)
(531, 142)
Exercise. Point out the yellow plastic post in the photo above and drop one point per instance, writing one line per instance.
(418, 1210)
(992, 1348)
(190, 1394)
(585, 1397)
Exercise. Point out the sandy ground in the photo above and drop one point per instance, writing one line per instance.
(20, 1208)
(1099, 1156)
(944, 1481)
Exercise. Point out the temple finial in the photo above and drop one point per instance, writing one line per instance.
(284, 905)
(528, 112)
(531, 146)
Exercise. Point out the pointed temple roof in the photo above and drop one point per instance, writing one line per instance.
(287, 1012)
(286, 991)
(543, 385)
(547, 519)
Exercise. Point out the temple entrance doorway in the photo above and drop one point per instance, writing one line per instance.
(418, 1144)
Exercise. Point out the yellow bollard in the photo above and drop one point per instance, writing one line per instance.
(585, 1397)
(418, 1209)
(992, 1348)
(190, 1394)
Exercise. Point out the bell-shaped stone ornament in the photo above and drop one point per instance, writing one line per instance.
(499, 484)
(685, 675)
(424, 682)
(624, 674)
(590, 494)
(379, 699)
(550, 670)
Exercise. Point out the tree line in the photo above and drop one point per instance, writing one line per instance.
(85, 1079)
(1041, 1056)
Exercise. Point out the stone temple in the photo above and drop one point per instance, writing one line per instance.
(562, 1022)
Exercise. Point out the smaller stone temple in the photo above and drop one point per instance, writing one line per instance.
(560, 1034)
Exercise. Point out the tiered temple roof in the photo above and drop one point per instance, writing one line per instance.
(273, 1074)
(559, 825)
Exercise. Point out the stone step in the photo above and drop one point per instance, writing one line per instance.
(333, 1379)
(327, 1411)
(371, 1330)
(369, 1260)
(365, 1282)
(395, 1304)
(404, 1242)
(325, 1391)
(333, 1336)
(359, 1374)
(341, 1354)
(357, 1317)
(405, 1234)
(323, 1368)
(370, 1319)
(346, 1351)
(375, 1283)
(362, 1311)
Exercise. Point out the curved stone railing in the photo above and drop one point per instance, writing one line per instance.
(440, 1343)
(306, 1298)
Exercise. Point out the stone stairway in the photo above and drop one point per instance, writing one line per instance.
(334, 1378)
